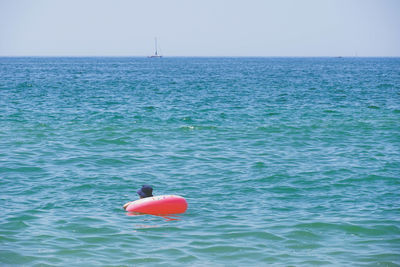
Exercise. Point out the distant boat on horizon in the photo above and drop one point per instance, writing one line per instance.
(156, 55)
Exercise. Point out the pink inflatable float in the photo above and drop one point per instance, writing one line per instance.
(159, 205)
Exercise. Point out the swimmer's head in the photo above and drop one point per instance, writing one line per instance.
(145, 191)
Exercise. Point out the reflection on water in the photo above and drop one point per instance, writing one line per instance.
(144, 226)
(170, 217)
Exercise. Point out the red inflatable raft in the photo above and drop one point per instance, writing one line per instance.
(159, 205)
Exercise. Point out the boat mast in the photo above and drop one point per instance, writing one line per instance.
(155, 39)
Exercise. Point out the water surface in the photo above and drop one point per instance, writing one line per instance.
(283, 161)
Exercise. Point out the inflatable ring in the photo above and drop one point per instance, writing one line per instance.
(159, 205)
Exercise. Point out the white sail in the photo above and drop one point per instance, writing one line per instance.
(156, 55)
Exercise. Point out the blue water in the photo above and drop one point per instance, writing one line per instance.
(283, 161)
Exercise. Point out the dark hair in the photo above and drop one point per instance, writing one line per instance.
(145, 191)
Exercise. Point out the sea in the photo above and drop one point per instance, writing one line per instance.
(283, 161)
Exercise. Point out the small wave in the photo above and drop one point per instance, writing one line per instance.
(252, 234)
(270, 129)
(259, 165)
(187, 119)
(73, 160)
(384, 86)
(284, 189)
(24, 217)
(270, 178)
(316, 263)
(141, 130)
(316, 225)
(149, 108)
(21, 169)
(87, 230)
(116, 141)
(14, 225)
(222, 249)
(110, 161)
(95, 239)
(330, 111)
(373, 107)
(303, 245)
(187, 128)
(373, 230)
(175, 252)
(193, 128)
(354, 229)
(146, 260)
(79, 188)
(302, 235)
(187, 258)
(24, 85)
(14, 258)
(367, 179)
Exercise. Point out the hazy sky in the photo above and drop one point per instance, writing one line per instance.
(200, 28)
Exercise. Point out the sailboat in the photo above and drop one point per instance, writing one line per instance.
(156, 55)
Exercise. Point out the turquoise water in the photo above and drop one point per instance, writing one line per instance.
(283, 161)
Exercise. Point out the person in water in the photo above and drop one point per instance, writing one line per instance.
(145, 191)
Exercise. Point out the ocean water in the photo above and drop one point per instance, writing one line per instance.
(283, 161)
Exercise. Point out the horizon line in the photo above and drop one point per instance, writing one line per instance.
(141, 56)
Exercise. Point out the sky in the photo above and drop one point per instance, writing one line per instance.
(306, 28)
